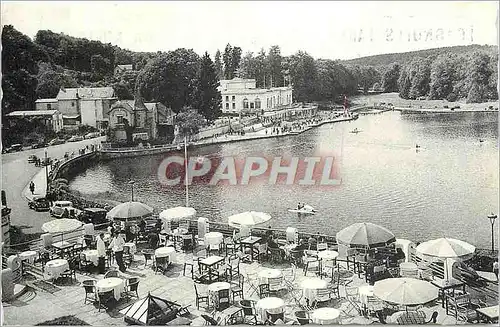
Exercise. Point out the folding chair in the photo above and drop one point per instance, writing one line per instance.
(352, 297)
(253, 283)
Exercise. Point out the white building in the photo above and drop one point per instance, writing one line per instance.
(53, 119)
(241, 95)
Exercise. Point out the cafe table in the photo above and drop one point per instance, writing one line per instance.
(54, 268)
(446, 286)
(265, 274)
(249, 243)
(91, 255)
(310, 286)
(365, 292)
(63, 246)
(165, 251)
(213, 239)
(271, 304)
(210, 265)
(28, 256)
(490, 314)
(325, 316)
(112, 283)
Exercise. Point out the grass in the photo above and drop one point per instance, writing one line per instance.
(64, 321)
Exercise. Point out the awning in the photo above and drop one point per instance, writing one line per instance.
(71, 117)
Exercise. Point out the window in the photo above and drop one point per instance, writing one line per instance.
(234, 98)
(245, 103)
(234, 106)
(251, 105)
(227, 98)
(49, 106)
(119, 119)
(72, 103)
(227, 105)
(257, 103)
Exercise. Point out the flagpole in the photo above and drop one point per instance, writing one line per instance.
(186, 171)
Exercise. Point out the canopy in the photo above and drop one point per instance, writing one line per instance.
(177, 213)
(365, 235)
(143, 310)
(446, 248)
(63, 225)
(130, 211)
(405, 291)
(248, 218)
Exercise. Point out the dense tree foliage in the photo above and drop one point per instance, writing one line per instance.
(51, 79)
(207, 96)
(189, 121)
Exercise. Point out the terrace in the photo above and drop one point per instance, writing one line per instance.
(330, 286)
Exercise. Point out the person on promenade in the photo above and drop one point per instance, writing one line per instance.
(312, 243)
(101, 253)
(32, 187)
(111, 229)
(153, 240)
(117, 246)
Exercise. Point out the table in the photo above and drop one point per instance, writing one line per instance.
(445, 286)
(131, 246)
(165, 251)
(63, 246)
(209, 264)
(364, 293)
(29, 256)
(213, 239)
(325, 316)
(345, 276)
(91, 255)
(271, 304)
(112, 283)
(326, 255)
(214, 288)
(310, 285)
(489, 313)
(249, 242)
(265, 274)
(55, 268)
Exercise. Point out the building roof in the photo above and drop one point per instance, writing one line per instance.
(126, 104)
(25, 113)
(46, 100)
(86, 93)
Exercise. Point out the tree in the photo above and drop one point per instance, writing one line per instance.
(51, 79)
(189, 121)
(260, 69)
(228, 62)
(421, 77)
(248, 66)
(235, 60)
(218, 65)
(170, 78)
(304, 75)
(208, 98)
(100, 66)
(274, 66)
(441, 78)
(390, 79)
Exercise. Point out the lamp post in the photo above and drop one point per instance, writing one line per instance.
(131, 183)
(186, 171)
(45, 162)
(492, 218)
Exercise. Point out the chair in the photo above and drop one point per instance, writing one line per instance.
(127, 256)
(233, 268)
(264, 290)
(275, 285)
(89, 286)
(252, 281)
(276, 255)
(189, 262)
(148, 255)
(323, 295)
(352, 298)
(132, 287)
(374, 305)
(109, 255)
(71, 271)
(112, 273)
(249, 313)
(273, 318)
(262, 251)
(161, 264)
(303, 317)
(211, 321)
(322, 246)
(215, 248)
(311, 264)
(334, 285)
(237, 290)
(200, 298)
(105, 298)
(230, 245)
(85, 264)
(461, 307)
(223, 300)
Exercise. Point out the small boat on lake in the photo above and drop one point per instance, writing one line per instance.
(305, 210)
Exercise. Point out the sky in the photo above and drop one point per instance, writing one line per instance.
(329, 30)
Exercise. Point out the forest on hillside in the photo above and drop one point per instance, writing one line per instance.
(181, 78)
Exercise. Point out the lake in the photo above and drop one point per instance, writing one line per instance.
(446, 187)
